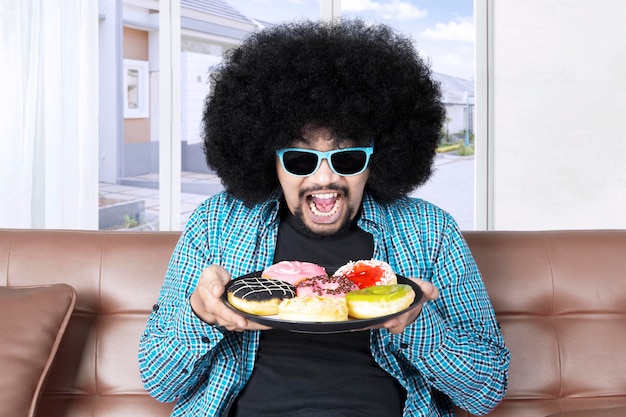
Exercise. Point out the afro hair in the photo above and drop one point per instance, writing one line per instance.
(363, 82)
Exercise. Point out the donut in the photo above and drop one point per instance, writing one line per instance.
(292, 271)
(259, 296)
(366, 273)
(313, 308)
(323, 285)
(379, 300)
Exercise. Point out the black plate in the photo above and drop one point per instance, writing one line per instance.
(322, 327)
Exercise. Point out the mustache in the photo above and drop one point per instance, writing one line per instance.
(330, 187)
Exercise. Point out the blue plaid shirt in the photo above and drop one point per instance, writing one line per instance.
(454, 347)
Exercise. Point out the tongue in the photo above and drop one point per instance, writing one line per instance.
(324, 204)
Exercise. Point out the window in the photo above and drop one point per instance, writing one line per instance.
(140, 151)
(136, 92)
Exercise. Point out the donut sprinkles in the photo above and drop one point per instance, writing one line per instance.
(261, 289)
(324, 285)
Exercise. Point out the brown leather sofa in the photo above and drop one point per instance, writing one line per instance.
(560, 298)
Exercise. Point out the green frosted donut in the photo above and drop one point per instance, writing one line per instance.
(390, 292)
(379, 300)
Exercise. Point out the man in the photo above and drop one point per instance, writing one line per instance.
(318, 131)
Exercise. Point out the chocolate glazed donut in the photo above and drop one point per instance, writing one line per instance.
(259, 296)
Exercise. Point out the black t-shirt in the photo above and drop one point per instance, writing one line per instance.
(295, 243)
(319, 375)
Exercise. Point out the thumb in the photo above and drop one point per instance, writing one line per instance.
(429, 290)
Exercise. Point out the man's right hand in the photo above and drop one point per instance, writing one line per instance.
(206, 302)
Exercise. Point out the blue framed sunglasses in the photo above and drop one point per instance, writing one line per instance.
(304, 162)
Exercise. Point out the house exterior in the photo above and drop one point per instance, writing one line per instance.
(129, 71)
(458, 97)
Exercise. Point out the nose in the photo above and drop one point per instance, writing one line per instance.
(324, 175)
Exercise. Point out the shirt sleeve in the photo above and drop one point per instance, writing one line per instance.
(177, 348)
(456, 343)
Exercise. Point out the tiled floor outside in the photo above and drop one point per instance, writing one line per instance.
(451, 187)
(118, 193)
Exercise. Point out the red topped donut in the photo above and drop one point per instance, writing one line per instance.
(366, 273)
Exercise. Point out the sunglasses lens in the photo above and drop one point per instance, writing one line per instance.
(349, 162)
(299, 163)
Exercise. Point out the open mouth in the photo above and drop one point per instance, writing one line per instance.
(324, 205)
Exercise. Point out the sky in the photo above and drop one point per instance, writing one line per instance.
(443, 30)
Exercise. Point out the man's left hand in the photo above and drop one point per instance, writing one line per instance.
(397, 324)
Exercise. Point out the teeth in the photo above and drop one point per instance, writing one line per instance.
(323, 214)
(326, 195)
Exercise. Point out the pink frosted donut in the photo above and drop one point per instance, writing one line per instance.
(325, 286)
(366, 273)
(293, 271)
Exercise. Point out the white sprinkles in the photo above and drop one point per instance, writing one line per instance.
(259, 289)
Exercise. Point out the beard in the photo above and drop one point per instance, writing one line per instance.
(301, 227)
(298, 215)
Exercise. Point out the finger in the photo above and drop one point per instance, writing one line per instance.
(239, 324)
(228, 317)
(215, 278)
(256, 326)
(216, 288)
(429, 291)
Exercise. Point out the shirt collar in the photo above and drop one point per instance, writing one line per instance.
(373, 212)
(269, 209)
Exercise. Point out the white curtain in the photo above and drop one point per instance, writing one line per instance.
(49, 114)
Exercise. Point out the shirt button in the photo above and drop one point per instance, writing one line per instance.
(155, 307)
(404, 345)
(205, 339)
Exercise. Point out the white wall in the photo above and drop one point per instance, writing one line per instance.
(195, 86)
(555, 73)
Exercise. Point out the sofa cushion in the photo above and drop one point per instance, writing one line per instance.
(32, 322)
(599, 412)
